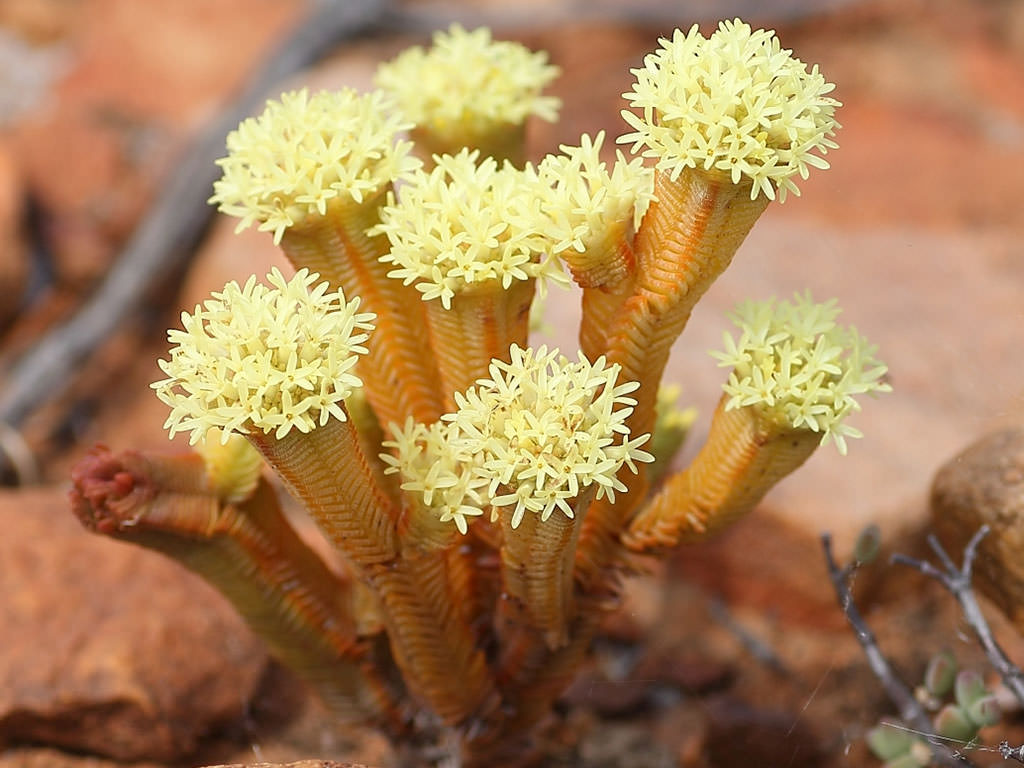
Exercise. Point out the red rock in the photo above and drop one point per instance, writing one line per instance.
(109, 649)
(741, 735)
(13, 266)
(300, 764)
(41, 757)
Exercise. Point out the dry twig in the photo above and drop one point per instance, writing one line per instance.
(911, 712)
(957, 581)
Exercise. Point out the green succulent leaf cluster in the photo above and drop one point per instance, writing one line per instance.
(963, 705)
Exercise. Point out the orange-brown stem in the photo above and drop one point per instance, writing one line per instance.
(745, 455)
(327, 471)
(607, 274)
(481, 325)
(531, 677)
(251, 554)
(399, 372)
(687, 239)
(537, 568)
(430, 640)
(420, 527)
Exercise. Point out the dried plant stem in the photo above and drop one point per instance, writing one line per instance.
(399, 373)
(481, 325)
(537, 564)
(745, 455)
(507, 142)
(327, 471)
(531, 677)
(250, 554)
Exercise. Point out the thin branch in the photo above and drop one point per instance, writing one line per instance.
(911, 712)
(753, 645)
(957, 581)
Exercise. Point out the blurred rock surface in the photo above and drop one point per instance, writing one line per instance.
(109, 649)
(984, 485)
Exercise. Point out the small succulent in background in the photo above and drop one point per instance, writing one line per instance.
(898, 747)
(962, 704)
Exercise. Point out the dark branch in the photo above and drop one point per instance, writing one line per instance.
(957, 581)
(911, 712)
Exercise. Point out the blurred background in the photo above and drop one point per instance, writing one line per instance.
(111, 112)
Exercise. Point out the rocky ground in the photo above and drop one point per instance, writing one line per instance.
(732, 654)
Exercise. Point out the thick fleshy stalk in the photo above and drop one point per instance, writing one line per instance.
(687, 239)
(327, 471)
(537, 566)
(481, 325)
(421, 528)
(398, 372)
(606, 277)
(251, 555)
(430, 640)
(745, 455)
(531, 677)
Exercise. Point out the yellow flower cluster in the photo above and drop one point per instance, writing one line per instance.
(735, 103)
(304, 151)
(534, 435)
(793, 362)
(464, 225)
(269, 358)
(443, 480)
(582, 200)
(468, 83)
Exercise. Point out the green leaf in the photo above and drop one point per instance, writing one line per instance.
(984, 711)
(940, 674)
(888, 741)
(953, 723)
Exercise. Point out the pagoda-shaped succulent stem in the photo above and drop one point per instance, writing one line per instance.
(537, 567)
(327, 471)
(480, 326)
(745, 455)
(250, 554)
(606, 274)
(430, 640)
(532, 677)
(399, 373)
(688, 237)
